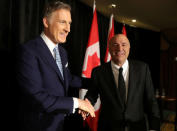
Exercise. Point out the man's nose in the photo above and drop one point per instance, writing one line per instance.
(67, 27)
(119, 47)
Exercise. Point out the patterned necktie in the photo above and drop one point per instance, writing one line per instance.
(58, 59)
(121, 86)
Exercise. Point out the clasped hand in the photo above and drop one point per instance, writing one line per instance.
(86, 109)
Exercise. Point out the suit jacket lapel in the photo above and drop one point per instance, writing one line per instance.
(132, 81)
(47, 57)
(111, 80)
(64, 65)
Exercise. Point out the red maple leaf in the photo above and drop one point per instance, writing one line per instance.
(92, 62)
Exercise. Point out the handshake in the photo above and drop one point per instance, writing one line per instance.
(86, 108)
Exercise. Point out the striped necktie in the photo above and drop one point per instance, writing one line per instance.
(58, 59)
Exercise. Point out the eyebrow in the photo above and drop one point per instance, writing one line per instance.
(63, 20)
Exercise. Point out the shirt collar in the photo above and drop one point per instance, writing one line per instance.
(124, 66)
(48, 42)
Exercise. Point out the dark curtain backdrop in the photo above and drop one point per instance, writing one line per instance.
(21, 20)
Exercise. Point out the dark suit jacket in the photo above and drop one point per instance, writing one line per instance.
(44, 96)
(140, 99)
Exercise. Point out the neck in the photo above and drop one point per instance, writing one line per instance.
(119, 63)
(49, 36)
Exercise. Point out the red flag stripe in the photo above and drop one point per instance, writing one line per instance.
(92, 56)
(110, 35)
(94, 36)
(124, 30)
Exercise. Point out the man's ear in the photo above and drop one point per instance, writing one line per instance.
(45, 22)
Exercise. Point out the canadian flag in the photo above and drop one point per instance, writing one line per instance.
(91, 60)
(110, 35)
(124, 30)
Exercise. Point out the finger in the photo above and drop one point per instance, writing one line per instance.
(93, 114)
(83, 116)
(87, 100)
(79, 111)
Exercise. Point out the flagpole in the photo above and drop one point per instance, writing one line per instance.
(110, 33)
(94, 6)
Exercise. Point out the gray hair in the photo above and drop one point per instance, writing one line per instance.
(53, 6)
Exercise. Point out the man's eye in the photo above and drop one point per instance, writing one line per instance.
(61, 21)
(124, 44)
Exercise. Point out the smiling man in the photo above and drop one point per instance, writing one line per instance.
(43, 75)
(126, 91)
(119, 49)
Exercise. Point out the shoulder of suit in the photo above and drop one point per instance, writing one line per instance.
(102, 67)
(33, 42)
(137, 62)
(31, 45)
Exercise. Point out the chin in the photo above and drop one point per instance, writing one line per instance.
(62, 41)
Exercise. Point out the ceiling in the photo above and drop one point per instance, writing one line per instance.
(156, 15)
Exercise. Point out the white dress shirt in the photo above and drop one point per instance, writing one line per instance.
(51, 46)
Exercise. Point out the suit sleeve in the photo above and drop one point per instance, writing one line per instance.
(151, 103)
(92, 93)
(29, 78)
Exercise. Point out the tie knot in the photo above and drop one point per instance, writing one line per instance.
(120, 70)
(55, 49)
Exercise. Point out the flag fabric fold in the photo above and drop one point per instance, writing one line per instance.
(124, 30)
(110, 35)
(91, 60)
(92, 55)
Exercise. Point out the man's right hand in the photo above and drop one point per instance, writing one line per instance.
(85, 105)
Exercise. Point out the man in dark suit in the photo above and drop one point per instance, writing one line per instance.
(45, 100)
(126, 113)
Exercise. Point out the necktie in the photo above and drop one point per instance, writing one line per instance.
(58, 59)
(121, 86)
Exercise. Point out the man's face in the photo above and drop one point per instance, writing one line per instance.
(57, 25)
(119, 48)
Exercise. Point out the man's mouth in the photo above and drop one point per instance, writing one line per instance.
(120, 53)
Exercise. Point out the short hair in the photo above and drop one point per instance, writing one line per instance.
(53, 6)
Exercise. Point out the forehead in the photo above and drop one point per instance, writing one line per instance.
(120, 38)
(62, 14)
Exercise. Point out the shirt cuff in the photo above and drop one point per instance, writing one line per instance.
(75, 103)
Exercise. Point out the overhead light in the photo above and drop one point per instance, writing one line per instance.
(112, 6)
(134, 20)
